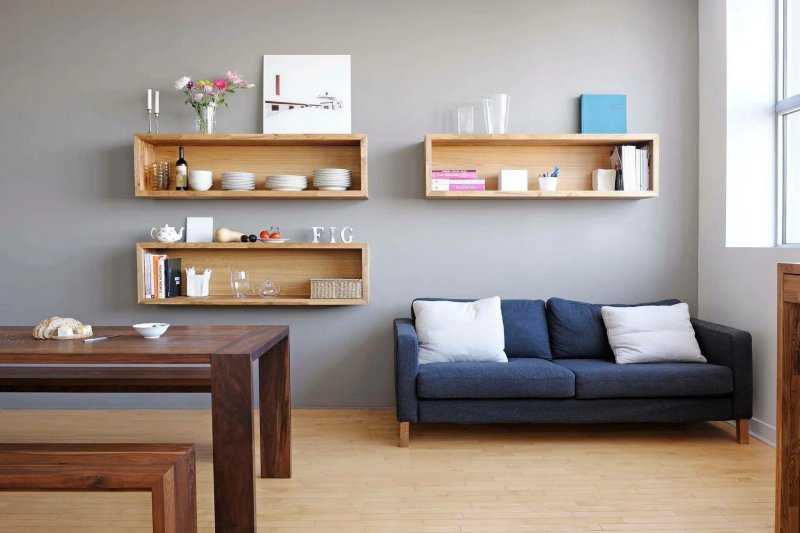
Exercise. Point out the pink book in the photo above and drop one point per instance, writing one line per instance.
(476, 187)
(454, 174)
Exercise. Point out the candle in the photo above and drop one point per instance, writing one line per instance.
(149, 99)
(156, 102)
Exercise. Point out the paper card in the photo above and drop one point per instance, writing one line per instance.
(199, 229)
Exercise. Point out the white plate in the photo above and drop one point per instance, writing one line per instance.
(332, 188)
(276, 241)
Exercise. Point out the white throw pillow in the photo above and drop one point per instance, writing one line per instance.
(460, 331)
(651, 334)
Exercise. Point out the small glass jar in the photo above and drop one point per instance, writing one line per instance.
(268, 289)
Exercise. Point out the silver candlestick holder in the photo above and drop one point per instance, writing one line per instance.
(156, 122)
(149, 121)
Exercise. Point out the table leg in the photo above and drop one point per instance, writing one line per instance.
(234, 452)
(275, 404)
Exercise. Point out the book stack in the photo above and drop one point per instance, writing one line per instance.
(456, 180)
(162, 276)
(634, 164)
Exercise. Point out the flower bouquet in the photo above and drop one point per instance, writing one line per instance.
(206, 95)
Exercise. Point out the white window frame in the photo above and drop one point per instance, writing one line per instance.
(785, 105)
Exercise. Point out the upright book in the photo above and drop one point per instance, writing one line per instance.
(603, 113)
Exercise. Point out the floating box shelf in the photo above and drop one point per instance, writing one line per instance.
(263, 155)
(577, 155)
(291, 265)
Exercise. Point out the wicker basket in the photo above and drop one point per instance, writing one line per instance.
(330, 288)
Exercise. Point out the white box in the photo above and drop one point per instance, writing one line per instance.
(199, 229)
(513, 180)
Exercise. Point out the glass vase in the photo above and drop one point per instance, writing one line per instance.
(205, 121)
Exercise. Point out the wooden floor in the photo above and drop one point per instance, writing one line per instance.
(349, 475)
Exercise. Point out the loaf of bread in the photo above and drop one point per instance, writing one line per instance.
(48, 328)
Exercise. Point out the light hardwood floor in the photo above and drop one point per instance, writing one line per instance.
(350, 476)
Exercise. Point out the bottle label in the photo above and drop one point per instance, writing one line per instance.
(180, 176)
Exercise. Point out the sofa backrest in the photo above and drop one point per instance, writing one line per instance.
(577, 330)
(524, 326)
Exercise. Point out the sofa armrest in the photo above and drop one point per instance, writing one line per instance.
(733, 348)
(406, 363)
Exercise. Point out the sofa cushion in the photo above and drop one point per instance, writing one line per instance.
(524, 377)
(577, 329)
(598, 378)
(652, 334)
(524, 324)
(451, 332)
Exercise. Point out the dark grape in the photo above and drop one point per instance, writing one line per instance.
(253, 238)
(243, 238)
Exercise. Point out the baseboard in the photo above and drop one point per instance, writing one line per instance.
(761, 431)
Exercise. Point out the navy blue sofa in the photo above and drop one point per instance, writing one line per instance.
(561, 370)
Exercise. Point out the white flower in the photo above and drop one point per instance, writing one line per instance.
(180, 83)
(249, 85)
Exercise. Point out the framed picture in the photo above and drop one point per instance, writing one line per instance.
(306, 94)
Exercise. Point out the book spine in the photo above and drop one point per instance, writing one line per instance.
(454, 174)
(458, 182)
(148, 264)
(476, 187)
(162, 291)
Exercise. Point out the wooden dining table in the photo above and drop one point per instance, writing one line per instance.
(229, 352)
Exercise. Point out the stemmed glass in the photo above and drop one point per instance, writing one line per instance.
(240, 282)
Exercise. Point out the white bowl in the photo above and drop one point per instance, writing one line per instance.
(151, 330)
(206, 174)
(200, 184)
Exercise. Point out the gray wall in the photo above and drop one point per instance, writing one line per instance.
(74, 76)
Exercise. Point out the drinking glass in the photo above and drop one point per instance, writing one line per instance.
(495, 112)
(240, 283)
(466, 119)
(158, 176)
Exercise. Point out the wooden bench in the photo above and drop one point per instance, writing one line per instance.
(105, 379)
(165, 470)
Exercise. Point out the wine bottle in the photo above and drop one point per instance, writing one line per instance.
(181, 172)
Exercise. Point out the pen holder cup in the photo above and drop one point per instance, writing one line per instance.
(548, 184)
(197, 285)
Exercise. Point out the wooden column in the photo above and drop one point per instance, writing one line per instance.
(787, 504)
(234, 449)
(275, 405)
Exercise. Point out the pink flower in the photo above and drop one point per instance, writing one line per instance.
(197, 97)
(234, 77)
(208, 88)
(220, 84)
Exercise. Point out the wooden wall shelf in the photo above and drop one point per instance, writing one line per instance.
(577, 155)
(263, 155)
(291, 265)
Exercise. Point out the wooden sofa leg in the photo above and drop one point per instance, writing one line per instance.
(743, 431)
(404, 434)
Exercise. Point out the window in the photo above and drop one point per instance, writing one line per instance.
(788, 114)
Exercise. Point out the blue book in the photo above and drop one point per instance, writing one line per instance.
(603, 113)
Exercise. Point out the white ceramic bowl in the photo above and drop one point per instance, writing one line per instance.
(200, 180)
(203, 174)
(151, 330)
(200, 185)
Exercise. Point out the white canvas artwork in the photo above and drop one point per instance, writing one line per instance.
(306, 94)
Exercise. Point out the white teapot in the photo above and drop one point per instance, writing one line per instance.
(166, 234)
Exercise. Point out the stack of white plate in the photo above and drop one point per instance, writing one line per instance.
(286, 182)
(238, 181)
(332, 179)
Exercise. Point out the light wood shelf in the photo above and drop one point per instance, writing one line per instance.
(577, 155)
(291, 265)
(262, 155)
